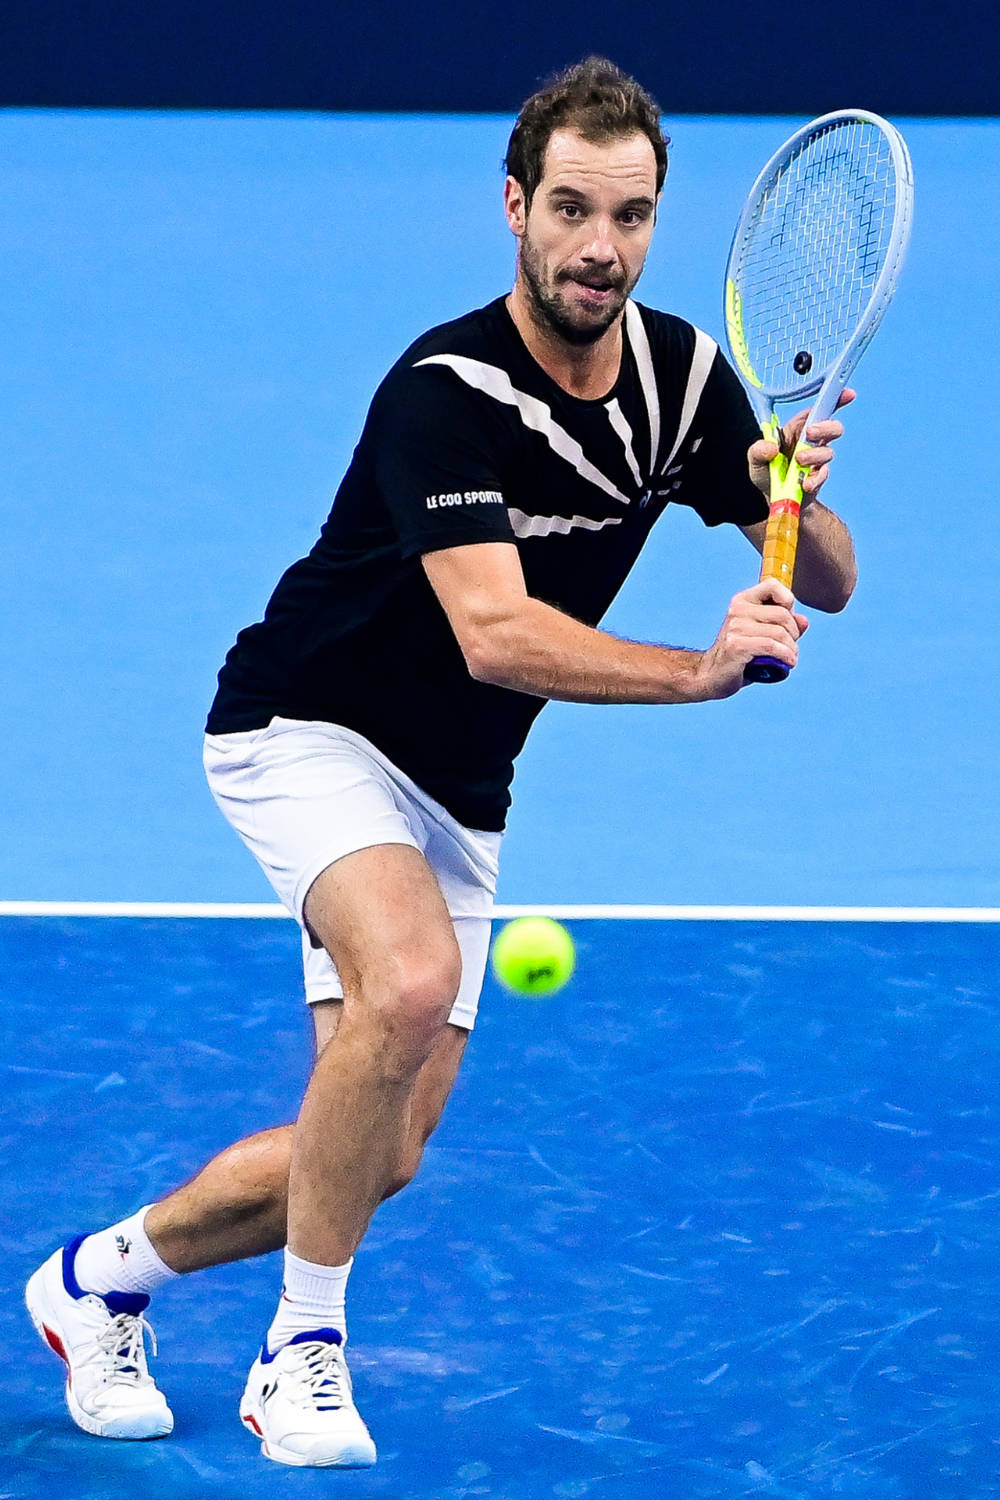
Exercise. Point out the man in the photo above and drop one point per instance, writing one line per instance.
(362, 739)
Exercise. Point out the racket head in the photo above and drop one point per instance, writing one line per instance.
(816, 256)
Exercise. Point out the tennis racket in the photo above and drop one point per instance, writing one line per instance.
(814, 263)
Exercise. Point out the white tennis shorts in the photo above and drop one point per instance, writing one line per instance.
(302, 794)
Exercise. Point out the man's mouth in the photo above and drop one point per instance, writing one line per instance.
(595, 283)
(597, 291)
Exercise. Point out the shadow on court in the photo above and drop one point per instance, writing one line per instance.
(719, 1220)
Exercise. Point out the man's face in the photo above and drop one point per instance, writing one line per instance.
(584, 239)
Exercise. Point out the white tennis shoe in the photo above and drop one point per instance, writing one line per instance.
(109, 1390)
(299, 1402)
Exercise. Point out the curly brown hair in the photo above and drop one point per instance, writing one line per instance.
(594, 98)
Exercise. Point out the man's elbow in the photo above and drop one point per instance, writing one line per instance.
(832, 595)
(479, 659)
(485, 656)
(841, 601)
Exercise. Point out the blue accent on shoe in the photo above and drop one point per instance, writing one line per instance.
(318, 1336)
(68, 1273)
(132, 1303)
(311, 1336)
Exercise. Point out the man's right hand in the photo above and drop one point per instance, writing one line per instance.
(760, 621)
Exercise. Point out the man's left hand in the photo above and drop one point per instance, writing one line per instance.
(817, 457)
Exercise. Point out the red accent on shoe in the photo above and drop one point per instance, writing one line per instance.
(55, 1343)
(250, 1422)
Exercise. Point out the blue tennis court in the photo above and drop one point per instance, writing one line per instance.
(719, 1219)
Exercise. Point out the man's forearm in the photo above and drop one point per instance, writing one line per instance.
(540, 650)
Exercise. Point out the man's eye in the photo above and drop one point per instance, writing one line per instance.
(570, 210)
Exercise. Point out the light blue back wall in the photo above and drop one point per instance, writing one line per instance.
(195, 312)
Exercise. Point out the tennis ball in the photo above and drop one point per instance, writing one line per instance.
(533, 956)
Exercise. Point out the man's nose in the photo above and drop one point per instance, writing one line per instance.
(600, 244)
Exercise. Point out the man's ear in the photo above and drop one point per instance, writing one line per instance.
(514, 206)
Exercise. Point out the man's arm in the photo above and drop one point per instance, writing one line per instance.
(825, 567)
(514, 641)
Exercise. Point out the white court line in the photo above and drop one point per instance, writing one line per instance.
(569, 913)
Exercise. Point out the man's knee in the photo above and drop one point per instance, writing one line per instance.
(408, 1002)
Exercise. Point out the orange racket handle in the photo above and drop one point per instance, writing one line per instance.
(780, 542)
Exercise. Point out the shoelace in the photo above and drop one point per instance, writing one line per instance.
(121, 1347)
(326, 1377)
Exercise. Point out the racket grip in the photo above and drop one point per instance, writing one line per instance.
(781, 541)
(778, 562)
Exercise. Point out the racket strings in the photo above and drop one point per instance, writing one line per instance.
(813, 252)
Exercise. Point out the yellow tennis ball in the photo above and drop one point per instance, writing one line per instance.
(533, 956)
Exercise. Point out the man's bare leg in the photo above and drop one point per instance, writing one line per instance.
(237, 1206)
(396, 949)
(381, 916)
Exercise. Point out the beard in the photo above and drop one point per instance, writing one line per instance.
(553, 311)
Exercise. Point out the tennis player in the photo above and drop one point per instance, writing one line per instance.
(362, 740)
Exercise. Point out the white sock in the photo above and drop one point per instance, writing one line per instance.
(312, 1297)
(121, 1259)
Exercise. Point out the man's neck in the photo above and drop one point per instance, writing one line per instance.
(588, 371)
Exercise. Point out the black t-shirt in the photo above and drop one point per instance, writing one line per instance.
(468, 440)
